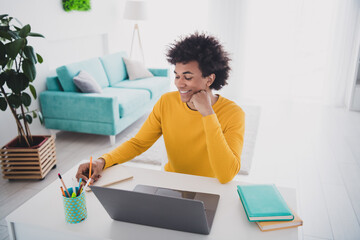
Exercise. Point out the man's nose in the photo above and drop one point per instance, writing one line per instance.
(180, 82)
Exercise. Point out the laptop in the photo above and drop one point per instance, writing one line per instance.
(160, 207)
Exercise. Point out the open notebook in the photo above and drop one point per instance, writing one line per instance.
(112, 175)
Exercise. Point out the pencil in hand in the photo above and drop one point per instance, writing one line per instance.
(90, 168)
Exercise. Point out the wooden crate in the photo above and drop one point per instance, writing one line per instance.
(27, 163)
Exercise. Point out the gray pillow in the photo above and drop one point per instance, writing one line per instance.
(136, 69)
(86, 83)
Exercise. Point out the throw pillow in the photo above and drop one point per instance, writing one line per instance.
(136, 69)
(86, 83)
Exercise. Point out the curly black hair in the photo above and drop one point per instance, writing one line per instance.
(207, 51)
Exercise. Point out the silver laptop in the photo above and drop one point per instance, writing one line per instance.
(160, 207)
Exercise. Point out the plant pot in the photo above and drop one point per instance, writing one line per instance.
(28, 163)
(38, 141)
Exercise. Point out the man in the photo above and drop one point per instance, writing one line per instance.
(203, 132)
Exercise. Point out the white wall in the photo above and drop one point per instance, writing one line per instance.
(70, 37)
(74, 36)
(227, 21)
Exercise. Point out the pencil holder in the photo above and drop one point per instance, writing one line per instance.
(75, 208)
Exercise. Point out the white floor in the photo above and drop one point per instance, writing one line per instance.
(317, 151)
(311, 148)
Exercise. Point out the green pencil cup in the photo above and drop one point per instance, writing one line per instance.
(75, 208)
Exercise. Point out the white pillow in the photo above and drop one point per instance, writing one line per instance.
(136, 69)
(86, 83)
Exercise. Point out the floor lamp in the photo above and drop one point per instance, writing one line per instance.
(136, 10)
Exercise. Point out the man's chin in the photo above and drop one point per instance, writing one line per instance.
(184, 100)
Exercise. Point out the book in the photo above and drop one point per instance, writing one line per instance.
(112, 175)
(263, 203)
(276, 225)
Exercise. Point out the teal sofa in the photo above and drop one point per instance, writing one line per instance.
(121, 102)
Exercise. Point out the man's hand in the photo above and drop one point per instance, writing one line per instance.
(202, 102)
(96, 169)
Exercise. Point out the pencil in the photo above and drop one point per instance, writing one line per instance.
(62, 190)
(87, 184)
(90, 167)
(78, 193)
(64, 185)
(81, 187)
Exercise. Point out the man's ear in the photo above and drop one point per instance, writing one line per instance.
(210, 79)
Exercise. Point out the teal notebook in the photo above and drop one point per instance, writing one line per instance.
(264, 203)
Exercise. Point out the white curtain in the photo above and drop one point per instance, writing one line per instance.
(292, 50)
(342, 54)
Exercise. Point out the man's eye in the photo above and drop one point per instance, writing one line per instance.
(188, 78)
(177, 77)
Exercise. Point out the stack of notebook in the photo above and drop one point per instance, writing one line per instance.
(264, 205)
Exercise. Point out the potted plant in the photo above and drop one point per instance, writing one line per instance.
(26, 156)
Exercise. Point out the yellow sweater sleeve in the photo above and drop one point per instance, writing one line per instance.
(224, 148)
(144, 139)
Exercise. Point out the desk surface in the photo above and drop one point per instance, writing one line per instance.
(43, 215)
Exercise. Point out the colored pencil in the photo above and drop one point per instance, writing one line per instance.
(64, 185)
(90, 167)
(80, 181)
(62, 190)
(87, 184)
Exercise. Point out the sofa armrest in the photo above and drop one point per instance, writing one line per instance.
(88, 107)
(159, 72)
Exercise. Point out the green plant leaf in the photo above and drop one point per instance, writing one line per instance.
(19, 116)
(13, 48)
(3, 77)
(33, 91)
(3, 15)
(41, 118)
(10, 64)
(14, 100)
(17, 82)
(34, 114)
(13, 34)
(3, 104)
(26, 99)
(29, 70)
(30, 54)
(4, 63)
(4, 27)
(28, 118)
(5, 34)
(32, 34)
(24, 32)
(2, 52)
(39, 58)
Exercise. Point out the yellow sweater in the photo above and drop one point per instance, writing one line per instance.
(207, 146)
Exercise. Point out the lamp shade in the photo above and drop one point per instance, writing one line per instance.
(135, 10)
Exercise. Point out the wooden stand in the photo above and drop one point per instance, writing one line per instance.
(28, 163)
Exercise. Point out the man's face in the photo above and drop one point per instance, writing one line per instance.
(189, 80)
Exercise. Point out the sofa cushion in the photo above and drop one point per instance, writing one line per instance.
(53, 84)
(86, 83)
(136, 69)
(92, 66)
(155, 85)
(114, 67)
(130, 100)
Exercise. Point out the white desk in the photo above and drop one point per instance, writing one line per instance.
(42, 217)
